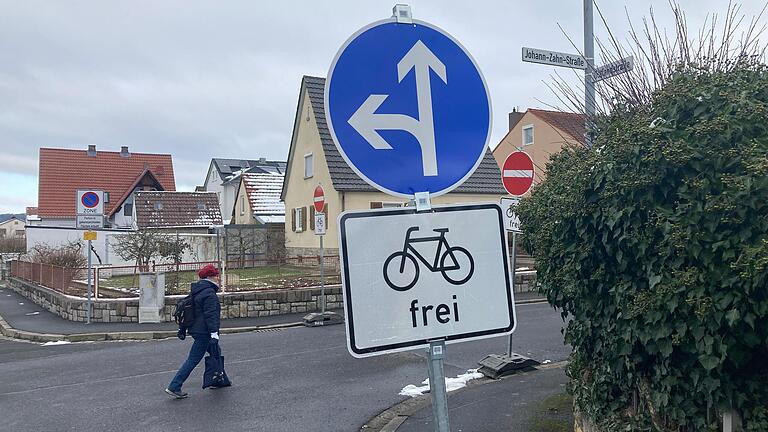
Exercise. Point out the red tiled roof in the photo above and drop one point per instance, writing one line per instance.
(570, 123)
(63, 172)
(31, 211)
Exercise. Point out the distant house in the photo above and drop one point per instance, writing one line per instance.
(12, 228)
(541, 134)
(258, 200)
(119, 174)
(188, 212)
(314, 160)
(223, 178)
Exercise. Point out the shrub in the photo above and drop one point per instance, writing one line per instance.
(69, 255)
(655, 244)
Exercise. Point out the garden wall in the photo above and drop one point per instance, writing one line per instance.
(233, 305)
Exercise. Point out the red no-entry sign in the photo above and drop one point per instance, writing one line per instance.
(517, 173)
(319, 199)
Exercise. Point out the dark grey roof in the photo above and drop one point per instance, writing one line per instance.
(226, 167)
(486, 179)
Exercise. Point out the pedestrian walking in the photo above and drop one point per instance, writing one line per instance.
(203, 318)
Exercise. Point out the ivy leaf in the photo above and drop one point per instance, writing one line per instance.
(732, 317)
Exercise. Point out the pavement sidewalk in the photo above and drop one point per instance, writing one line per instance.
(529, 401)
(27, 320)
(23, 319)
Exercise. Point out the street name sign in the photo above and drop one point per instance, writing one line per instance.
(612, 69)
(408, 108)
(511, 218)
(517, 173)
(410, 277)
(90, 209)
(554, 58)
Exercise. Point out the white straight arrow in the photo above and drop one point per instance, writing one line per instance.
(367, 123)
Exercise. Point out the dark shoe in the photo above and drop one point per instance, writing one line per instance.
(177, 394)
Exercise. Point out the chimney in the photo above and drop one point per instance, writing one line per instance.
(124, 152)
(262, 160)
(91, 150)
(514, 117)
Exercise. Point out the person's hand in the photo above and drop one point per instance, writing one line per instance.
(182, 334)
(215, 337)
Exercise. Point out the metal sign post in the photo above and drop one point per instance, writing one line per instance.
(90, 287)
(512, 284)
(435, 354)
(324, 317)
(322, 276)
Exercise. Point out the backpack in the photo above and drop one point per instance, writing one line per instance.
(184, 315)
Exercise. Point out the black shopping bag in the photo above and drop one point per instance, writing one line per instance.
(214, 375)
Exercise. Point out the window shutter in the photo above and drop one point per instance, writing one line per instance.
(311, 218)
(303, 218)
(376, 204)
(293, 220)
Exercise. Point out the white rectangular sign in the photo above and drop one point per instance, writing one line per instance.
(90, 221)
(554, 58)
(511, 218)
(614, 68)
(319, 223)
(90, 202)
(410, 277)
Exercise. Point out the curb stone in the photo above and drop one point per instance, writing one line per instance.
(393, 417)
(10, 332)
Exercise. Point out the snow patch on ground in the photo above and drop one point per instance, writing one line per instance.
(451, 384)
(56, 343)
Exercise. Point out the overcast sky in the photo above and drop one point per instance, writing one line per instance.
(220, 79)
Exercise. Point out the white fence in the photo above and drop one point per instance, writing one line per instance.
(203, 246)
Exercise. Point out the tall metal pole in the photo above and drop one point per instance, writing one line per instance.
(589, 79)
(90, 287)
(437, 388)
(322, 276)
(514, 265)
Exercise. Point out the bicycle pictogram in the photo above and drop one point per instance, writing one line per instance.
(401, 269)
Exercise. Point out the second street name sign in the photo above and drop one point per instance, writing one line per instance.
(554, 58)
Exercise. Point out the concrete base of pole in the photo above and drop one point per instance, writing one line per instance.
(497, 365)
(316, 319)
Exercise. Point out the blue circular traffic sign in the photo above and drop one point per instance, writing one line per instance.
(408, 108)
(90, 199)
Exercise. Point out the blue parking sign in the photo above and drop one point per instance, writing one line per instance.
(408, 108)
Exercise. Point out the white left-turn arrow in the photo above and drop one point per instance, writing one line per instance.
(366, 122)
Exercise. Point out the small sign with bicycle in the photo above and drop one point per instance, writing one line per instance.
(412, 277)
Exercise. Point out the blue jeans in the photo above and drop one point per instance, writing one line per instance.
(200, 346)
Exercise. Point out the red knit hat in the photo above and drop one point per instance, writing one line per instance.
(208, 271)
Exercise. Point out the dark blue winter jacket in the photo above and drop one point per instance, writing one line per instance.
(207, 308)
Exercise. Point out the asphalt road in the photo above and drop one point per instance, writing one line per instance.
(288, 380)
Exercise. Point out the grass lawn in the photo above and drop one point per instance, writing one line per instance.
(257, 277)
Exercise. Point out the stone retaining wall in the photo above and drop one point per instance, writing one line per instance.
(233, 305)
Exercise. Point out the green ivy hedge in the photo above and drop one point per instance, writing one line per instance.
(655, 246)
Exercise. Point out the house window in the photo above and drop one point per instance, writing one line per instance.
(242, 205)
(309, 169)
(128, 209)
(158, 206)
(299, 219)
(527, 134)
(201, 206)
(2, 232)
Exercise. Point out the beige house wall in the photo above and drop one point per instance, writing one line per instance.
(299, 190)
(547, 141)
(242, 207)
